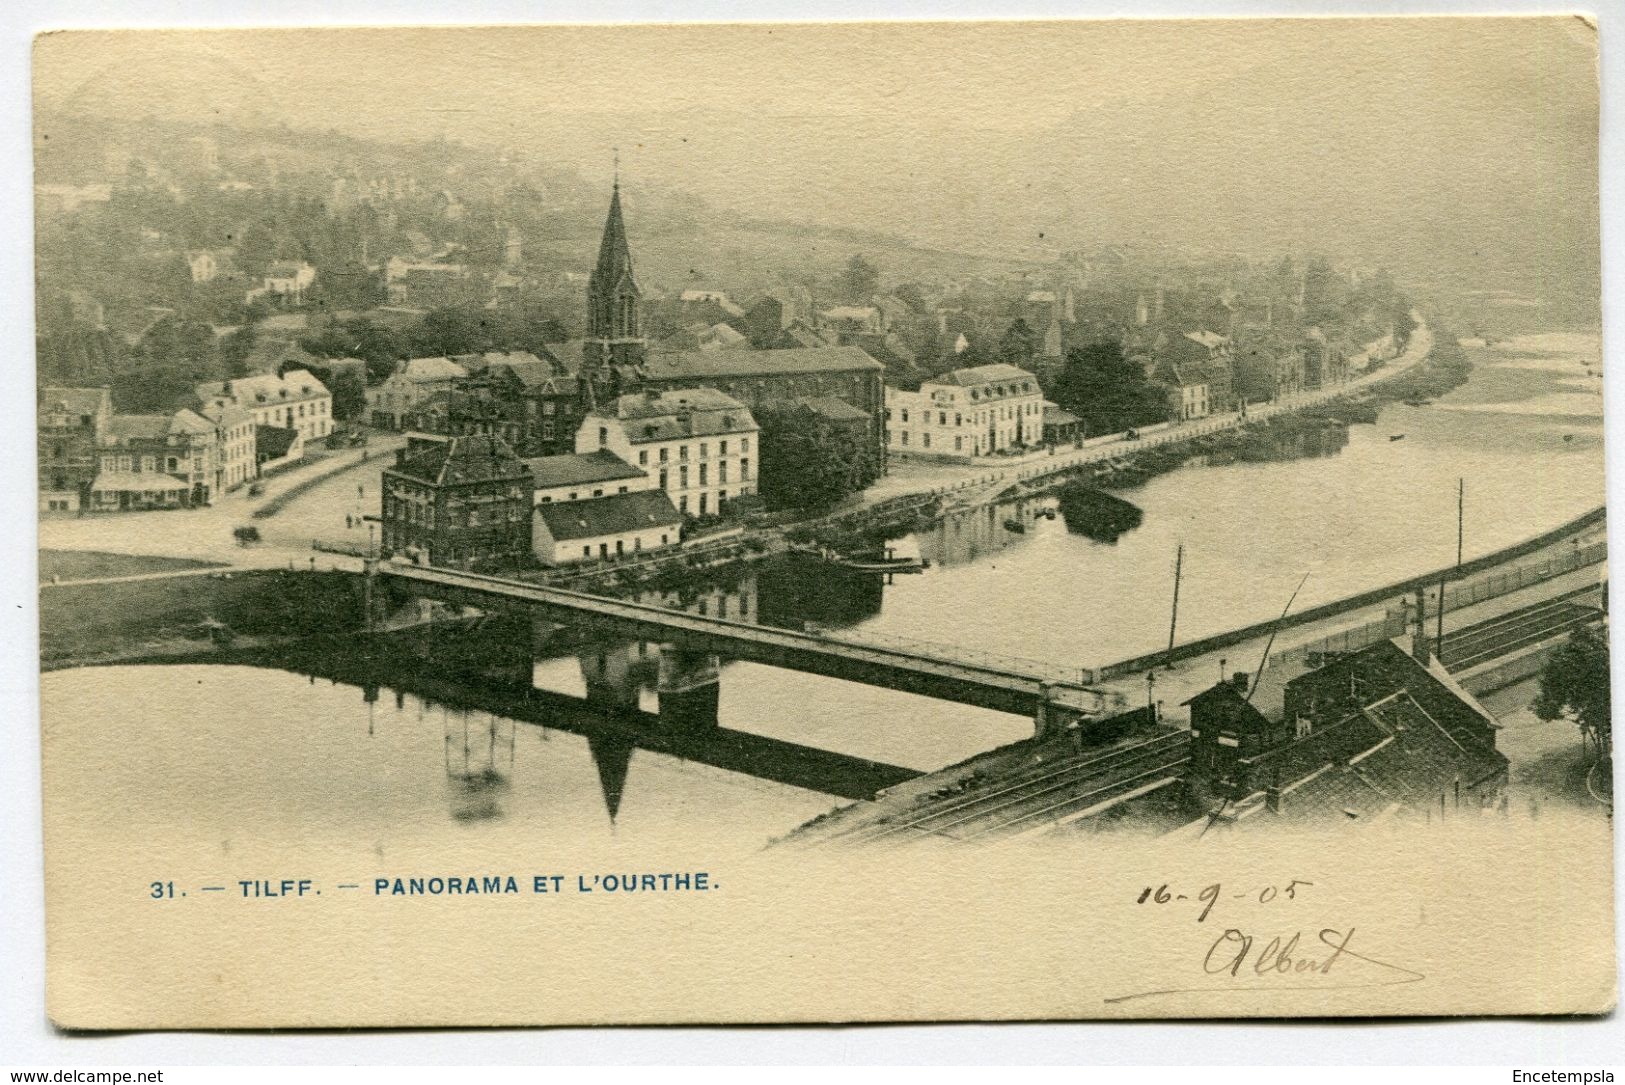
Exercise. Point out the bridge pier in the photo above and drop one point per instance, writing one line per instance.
(1051, 719)
(542, 633)
(689, 687)
(609, 677)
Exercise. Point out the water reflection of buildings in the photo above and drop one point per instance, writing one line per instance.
(968, 536)
(479, 763)
(482, 675)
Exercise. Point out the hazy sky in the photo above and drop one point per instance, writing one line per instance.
(1440, 142)
(1015, 73)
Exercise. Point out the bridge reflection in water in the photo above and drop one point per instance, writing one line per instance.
(481, 674)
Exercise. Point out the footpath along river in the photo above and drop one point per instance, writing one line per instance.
(217, 750)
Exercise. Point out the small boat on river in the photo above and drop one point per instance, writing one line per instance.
(887, 564)
(883, 565)
(1396, 436)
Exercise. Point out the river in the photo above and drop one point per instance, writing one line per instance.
(235, 750)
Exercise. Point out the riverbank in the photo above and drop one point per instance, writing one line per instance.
(60, 566)
(98, 622)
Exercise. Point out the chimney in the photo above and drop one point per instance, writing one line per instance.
(1419, 635)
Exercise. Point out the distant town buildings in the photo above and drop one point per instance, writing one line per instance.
(426, 284)
(286, 281)
(393, 400)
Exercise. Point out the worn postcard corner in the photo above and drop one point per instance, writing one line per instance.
(718, 524)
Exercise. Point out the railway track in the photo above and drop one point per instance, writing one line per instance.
(1050, 814)
(1500, 636)
(1037, 799)
(1049, 785)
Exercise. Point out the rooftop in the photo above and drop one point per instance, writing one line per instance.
(998, 379)
(291, 387)
(690, 365)
(1211, 340)
(73, 400)
(274, 441)
(138, 425)
(832, 409)
(430, 369)
(673, 415)
(578, 468)
(613, 515)
(461, 460)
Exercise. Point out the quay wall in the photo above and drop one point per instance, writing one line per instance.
(1461, 594)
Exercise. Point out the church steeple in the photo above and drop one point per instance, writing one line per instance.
(614, 322)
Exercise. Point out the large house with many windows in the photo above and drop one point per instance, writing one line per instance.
(979, 411)
(461, 502)
(155, 461)
(397, 397)
(294, 400)
(695, 443)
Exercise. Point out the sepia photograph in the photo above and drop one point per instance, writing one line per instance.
(822, 522)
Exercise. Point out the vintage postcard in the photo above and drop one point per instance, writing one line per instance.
(822, 523)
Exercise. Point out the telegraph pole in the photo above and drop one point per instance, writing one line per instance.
(1461, 520)
(1173, 622)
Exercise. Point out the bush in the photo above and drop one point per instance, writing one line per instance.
(246, 534)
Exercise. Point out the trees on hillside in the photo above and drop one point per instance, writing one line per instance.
(1107, 391)
(235, 349)
(174, 357)
(376, 344)
(1019, 345)
(858, 281)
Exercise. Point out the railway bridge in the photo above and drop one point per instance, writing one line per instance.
(1033, 689)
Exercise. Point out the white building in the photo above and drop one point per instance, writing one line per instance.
(696, 443)
(968, 412)
(295, 400)
(236, 450)
(852, 320)
(204, 266)
(614, 526)
(414, 380)
(286, 279)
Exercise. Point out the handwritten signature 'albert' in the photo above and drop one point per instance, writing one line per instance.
(1327, 964)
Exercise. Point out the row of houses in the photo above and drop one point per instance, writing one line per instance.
(643, 464)
(993, 409)
(536, 402)
(92, 459)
